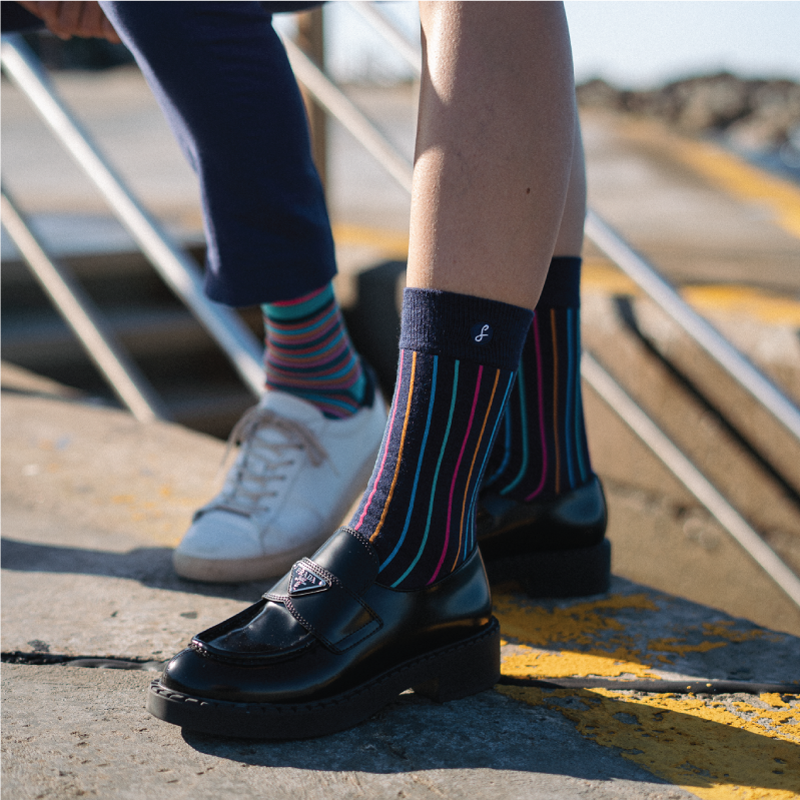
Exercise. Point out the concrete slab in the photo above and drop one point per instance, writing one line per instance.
(71, 732)
(699, 214)
(93, 502)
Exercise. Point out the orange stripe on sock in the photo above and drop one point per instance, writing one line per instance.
(555, 396)
(400, 451)
(472, 466)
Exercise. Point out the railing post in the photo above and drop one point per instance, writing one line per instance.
(177, 269)
(311, 40)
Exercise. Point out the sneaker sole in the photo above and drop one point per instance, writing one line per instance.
(242, 570)
(448, 673)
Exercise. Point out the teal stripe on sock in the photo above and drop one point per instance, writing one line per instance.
(469, 539)
(431, 401)
(281, 311)
(579, 440)
(506, 448)
(293, 331)
(435, 479)
(569, 445)
(524, 421)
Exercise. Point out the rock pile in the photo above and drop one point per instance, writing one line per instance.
(751, 115)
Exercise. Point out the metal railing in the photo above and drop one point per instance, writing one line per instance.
(77, 310)
(175, 267)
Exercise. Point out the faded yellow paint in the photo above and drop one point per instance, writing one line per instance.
(696, 744)
(391, 244)
(715, 748)
(580, 623)
(742, 180)
(673, 645)
(725, 629)
(600, 275)
(123, 499)
(603, 647)
(530, 663)
(771, 308)
(768, 307)
(724, 170)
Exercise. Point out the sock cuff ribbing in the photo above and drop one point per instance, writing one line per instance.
(464, 327)
(562, 289)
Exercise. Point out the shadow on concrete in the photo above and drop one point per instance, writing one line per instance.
(415, 734)
(151, 566)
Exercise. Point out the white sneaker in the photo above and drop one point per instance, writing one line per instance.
(297, 474)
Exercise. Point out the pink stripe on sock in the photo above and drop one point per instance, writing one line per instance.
(297, 301)
(385, 449)
(541, 411)
(455, 474)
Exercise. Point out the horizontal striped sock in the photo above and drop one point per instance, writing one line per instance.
(458, 358)
(541, 449)
(310, 355)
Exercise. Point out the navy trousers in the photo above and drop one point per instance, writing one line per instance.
(223, 80)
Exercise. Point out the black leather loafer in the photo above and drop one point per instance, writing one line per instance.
(554, 549)
(328, 646)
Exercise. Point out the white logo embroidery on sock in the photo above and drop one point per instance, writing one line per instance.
(483, 334)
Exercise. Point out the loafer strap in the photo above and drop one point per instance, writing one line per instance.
(325, 607)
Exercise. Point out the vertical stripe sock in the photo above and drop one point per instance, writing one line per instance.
(541, 449)
(458, 360)
(309, 353)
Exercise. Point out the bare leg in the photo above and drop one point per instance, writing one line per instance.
(570, 235)
(494, 148)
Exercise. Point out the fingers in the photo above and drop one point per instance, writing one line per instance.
(108, 30)
(90, 22)
(60, 18)
(69, 19)
(32, 7)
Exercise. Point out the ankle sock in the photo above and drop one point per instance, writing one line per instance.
(310, 355)
(541, 449)
(458, 360)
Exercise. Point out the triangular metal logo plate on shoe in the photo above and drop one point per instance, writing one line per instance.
(303, 581)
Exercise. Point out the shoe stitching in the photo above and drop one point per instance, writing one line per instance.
(336, 647)
(344, 698)
(365, 543)
(265, 659)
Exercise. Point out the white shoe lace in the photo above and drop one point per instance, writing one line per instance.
(269, 445)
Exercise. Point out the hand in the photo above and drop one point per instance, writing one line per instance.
(70, 19)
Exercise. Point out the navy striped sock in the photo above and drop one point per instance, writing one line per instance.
(541, 449)
(458, 359)
(310, 355)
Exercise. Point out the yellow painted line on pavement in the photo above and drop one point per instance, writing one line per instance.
(601, 275)
(743, 180)
(725, 170)
(693, 743)
(717, 747)
(391, 244)
(767, 307)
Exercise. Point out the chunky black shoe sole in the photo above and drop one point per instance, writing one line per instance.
(558, 573)
(553, 549)
(448, 673)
